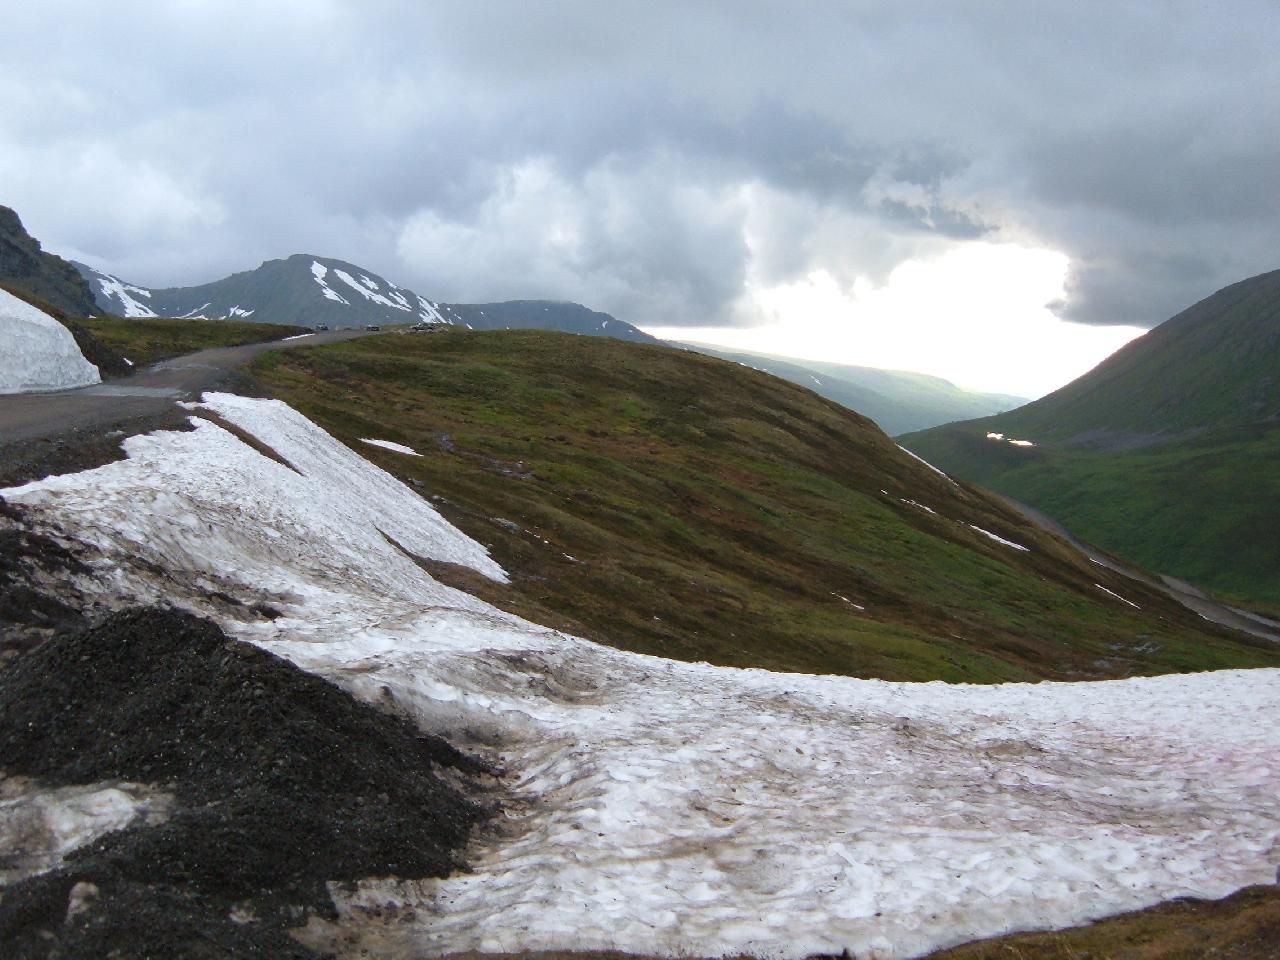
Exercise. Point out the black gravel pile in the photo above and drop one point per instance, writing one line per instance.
(282, 782)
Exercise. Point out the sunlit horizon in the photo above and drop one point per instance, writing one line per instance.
(977, 315)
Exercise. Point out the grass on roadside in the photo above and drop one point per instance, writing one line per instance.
(147, 340)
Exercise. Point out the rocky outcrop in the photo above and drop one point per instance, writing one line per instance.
(24, 266)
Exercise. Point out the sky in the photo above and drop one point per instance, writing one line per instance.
(999, 193)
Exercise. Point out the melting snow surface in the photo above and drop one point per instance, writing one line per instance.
(39, 825)
(38, 352)
(391, 445)
(671, 808)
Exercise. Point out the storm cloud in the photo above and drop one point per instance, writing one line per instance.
(651, 159)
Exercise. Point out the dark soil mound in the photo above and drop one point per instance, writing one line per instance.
(283, 782)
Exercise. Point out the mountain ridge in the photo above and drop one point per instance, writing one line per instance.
(309, 290)
(899, 401)
(38, 273)
(1167, 453)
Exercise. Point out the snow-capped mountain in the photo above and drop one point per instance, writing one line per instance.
(303, 289)
(309, 290)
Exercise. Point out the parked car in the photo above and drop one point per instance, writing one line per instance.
(320, 326)
(372, 326)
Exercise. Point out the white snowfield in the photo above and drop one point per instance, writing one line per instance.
(37, 352)
(683, 809)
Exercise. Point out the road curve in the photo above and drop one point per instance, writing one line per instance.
(150, 392)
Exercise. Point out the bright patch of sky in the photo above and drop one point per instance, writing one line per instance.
(977, 315)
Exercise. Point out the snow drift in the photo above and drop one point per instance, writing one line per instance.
(37, 352)
(672, 808)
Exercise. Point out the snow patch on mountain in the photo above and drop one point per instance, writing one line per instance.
(122, 293)
(368, 289)
(319, 271)
(39, 352)
(430, 311)
(196, 313)
(672, 808)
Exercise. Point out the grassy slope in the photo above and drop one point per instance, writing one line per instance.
(1203, 509)
(1213, 365)
(716, 513)
(1167, 454)
(148, 340)
(1244, 926)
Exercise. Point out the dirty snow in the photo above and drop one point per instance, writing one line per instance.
(40, 824)
(39, 353)
(671, 808)
(391, 445)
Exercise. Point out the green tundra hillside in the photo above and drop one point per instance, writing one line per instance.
(1167, 453)
(677, 504)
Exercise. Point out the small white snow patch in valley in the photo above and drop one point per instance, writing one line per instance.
(39, 825)
(239, 311)
(127, 360)
(195, 313)
(390, 445)
(920, 505)
(297, 336)
(38, 352)
(856, 606)
(1011, 440)
(1122, 599)
(999, 539)
(925, 462)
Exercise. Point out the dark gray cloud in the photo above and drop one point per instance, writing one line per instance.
(651, 158)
